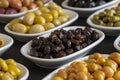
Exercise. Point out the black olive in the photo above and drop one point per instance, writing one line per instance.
(60, 54)
(69, 51)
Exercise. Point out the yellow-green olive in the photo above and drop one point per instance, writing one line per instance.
(56, 22)
(19, 27)
(49, 25)
(29, 18)
(62, 19)
(37, 28)
(3, 65)
(40, 20)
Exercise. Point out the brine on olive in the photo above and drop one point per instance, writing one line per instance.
(108, 17)
(45, 18)
(103, 68)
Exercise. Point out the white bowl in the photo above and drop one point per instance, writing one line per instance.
(24, 72)
(52, 74)
(8, 43)
(26, 37)
(57, 62)
(85, 12)
(110, 31)
(117, 43)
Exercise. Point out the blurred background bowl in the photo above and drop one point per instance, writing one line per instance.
(26, 37)
(117, 43)
(107, 29)
(85, 12)
(8, 42)
(57, 62)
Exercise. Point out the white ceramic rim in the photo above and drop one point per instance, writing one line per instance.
(117, 43)
(89, 21)
(26, 72)
(50, 75)
(41, 33)
(64, 4)
(64, 58)
(9, 44)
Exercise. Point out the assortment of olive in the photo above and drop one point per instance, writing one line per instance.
(96, 67)
(16, 6)
(2, 43)
(87, 3)
(45, 18)
(9, 70)
(61, 43)
(108, 17)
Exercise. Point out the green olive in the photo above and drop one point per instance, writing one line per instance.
(102, 14)
(49, 25)
(117, 24)
(37, 28)
(96, 17)
(19, 27)
(56, 22)
(114, 18)
(29, 18)
(110, 24)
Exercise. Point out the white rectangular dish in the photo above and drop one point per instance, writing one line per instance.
(57, 62)
(52, 74)
(110, 31)
(85, 12)
(27, 37)
(116, 43)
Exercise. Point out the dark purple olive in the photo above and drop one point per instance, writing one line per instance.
(2, 11)
(11, 11)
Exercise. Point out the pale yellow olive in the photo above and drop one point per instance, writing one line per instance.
(62, 19)
(19, 27)
(38, 12)
(56, 22)
(15, 69)
(11, 62)
(23, 9)
(48, 17)
(44, 9)
(7, 76)
(4, 3)
(16, 20)
(37, 28)
(3, 65)
(40, 20)
(49, 25)
(29, 18)
(54, 13)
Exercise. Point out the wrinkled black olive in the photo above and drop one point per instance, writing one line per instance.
(60, 54)
(69, 51)
(62, 42)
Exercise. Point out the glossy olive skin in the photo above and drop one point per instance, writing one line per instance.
(108, 17)
(74, 71)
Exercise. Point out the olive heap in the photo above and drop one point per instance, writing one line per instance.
(87, 3)
(108, 17)
(16, 6)
(47, 17)
(61, 43)
(96, 67)
(9, 69)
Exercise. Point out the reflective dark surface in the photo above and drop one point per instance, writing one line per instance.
(37, 73)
